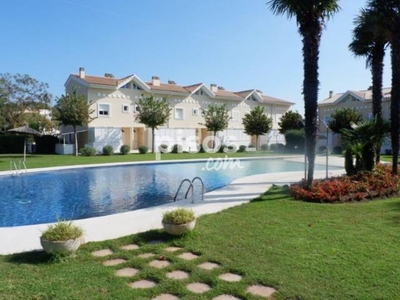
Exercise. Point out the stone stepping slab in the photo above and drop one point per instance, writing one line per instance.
(102, 253)
(173, 249)
(146, 255)
(130, 247)
(113, 262)
(208, 266)
(230, 277)
(178, 275)
(198, 287)
(142, 284)
(225, 297)
(166, 297)
(126, 272)
(188, 256)
(159, 264)
(261, 290)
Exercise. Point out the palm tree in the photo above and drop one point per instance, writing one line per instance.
(370, 37)
(310, 16)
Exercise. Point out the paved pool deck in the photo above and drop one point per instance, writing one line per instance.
(26, 238)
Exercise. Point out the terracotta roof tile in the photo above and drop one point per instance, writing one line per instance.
(99, 80)
(244, 94)
(168, 88)
(192, 87)
(227, 94)
(275, 100)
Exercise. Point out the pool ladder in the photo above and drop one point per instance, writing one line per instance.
(18, 170)
(190, 188)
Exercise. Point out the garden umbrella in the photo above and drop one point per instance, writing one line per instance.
(25, 130)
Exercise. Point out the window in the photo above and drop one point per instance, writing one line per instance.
(137, 108)
(126, 86)
(135, 86)
(370, 116)
(103, 110)
(326, 119)
(199, 92)
(195, 111)
(125, 108)
(235, 115)
(179, 113)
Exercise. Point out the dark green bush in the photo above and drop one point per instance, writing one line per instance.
(264, 147)
(337, 150)
(321, 149)
(201, 150)
(46, 144)
(278, 147)
(177, 148)
(11, 143)
(88, 151)
(108, 150)
(295, 140)
(125, 149)
(242, 148)
(143, 149)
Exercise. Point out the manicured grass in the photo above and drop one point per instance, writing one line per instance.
(43, 161)
(304, 250)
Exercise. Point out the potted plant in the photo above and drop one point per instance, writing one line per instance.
(62, 238)
(179, 221)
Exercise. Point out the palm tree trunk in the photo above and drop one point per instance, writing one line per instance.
(76, 141)
(311, 33)
(395, 96)
(377, 72)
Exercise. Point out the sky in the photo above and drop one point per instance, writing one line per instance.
(237, 44)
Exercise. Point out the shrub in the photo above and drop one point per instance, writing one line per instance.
(221, 149)
(242, 148)
(177, 148)
(321, 149)
(143, 149)
(178, 216)
(361, 186)
(295, 140)
(125, 149)
(62, 231)
(108, 150)
(201, 149)
(264, 147)
(337, 150)
(278, 147)
(388, 151)
(88, 151)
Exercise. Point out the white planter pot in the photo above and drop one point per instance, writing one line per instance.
(62, 247)
(180, 229)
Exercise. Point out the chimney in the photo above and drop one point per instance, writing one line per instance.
(221, 88)
(171, 82)
(109, 75)
(330, 94)
(155, 80)
(82, 72)
(259, 91)
(213, 87)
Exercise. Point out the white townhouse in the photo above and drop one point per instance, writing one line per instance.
(114, 102)
(358, 100)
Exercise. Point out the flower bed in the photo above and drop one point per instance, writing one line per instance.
(379, 183)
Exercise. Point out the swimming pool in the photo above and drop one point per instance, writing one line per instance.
(44, 197)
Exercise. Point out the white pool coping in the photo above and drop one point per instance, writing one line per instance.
(26, 238)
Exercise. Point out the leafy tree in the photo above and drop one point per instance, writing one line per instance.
(343, 118)
(73, 109)
(216, 118)
(256, 123)
(291, 120)
(20, 94)
(310, 17)
(371, 35)
(153, 113)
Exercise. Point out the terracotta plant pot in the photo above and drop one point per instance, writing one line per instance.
(180, 229)
(62, 247)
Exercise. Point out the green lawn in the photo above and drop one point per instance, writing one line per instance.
(42, 161)
(304, 250)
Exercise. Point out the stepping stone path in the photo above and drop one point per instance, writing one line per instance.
(126, 272)
(172, 249)
(188, 256)
(163, 262)
(146, 255)
(166, 297)
(230, 277)
(130, 247)
(114, 262)
(198, 287)
(260, 290)
(208, 266)
(102, 253)
(142, 284)
(159, 264)
(225, 297)
(178, 275)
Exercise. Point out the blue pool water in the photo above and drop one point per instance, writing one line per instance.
(90, 192)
